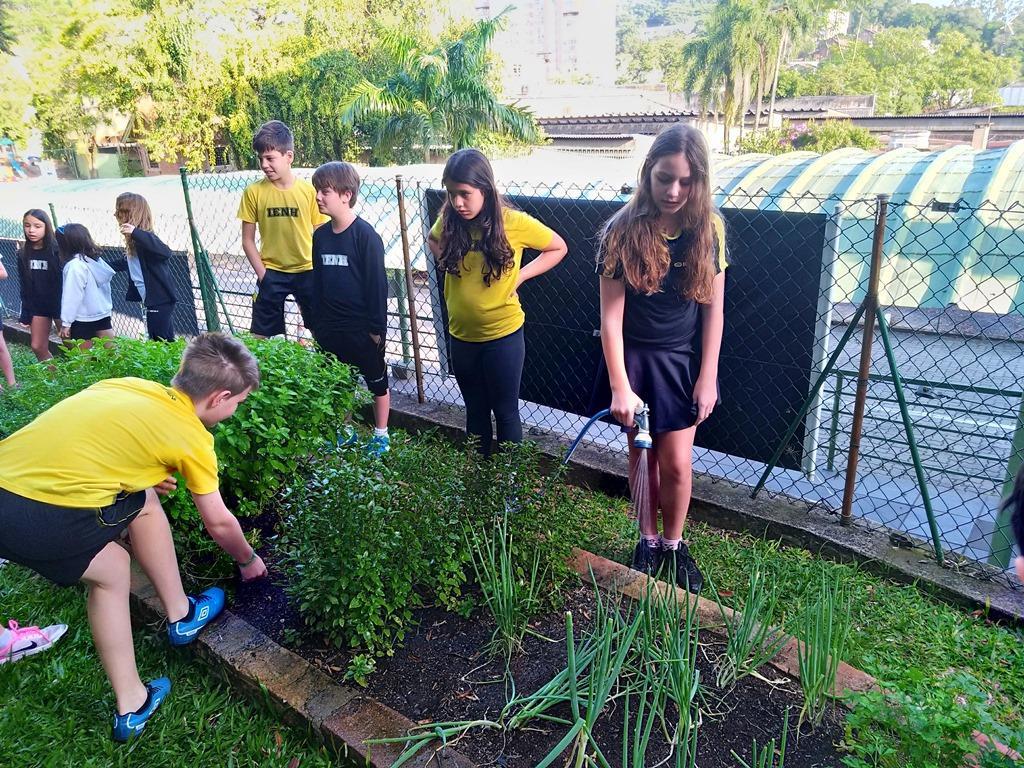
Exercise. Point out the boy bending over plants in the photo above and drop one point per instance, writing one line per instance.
(89, 470)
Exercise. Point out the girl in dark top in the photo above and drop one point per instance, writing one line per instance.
(148, 268)
(39, 270)
(662, 262)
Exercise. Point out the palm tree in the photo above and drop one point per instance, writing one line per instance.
(7, 37)
(790, 21)
(437, 96)
(721, 65)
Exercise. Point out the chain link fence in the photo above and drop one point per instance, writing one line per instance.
(950, 290)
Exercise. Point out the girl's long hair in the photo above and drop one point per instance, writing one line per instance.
(47, 244)
(633, 236)
(133, 209)
(469, 166)
(74, 239)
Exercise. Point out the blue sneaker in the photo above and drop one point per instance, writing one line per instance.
(378, 445)
(203, 608)
(128, 726)
(347, 436)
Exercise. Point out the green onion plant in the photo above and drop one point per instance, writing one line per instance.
(826, 627)
(751, 641)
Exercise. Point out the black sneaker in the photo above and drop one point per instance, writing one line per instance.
(646, 557)
(682, 569)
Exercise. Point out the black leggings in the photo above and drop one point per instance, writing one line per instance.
(488, 373)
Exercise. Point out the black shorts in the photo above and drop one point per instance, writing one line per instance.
(88, 329)
(60, 542)
(663, 378)
(358, 349)
(274, 288)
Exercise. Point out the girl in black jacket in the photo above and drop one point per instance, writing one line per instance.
(39, 271)
(147, 265)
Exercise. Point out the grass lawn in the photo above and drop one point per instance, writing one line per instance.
(57, 705)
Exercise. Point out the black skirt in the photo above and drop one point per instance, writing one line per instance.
(663, 378)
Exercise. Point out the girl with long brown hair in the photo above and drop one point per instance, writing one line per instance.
(39, 270)
(478, 241)
(662, 267)
(148, 259)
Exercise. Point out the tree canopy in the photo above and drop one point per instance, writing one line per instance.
(193, 74)
(917, 58)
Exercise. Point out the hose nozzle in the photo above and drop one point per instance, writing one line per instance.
(643, 432)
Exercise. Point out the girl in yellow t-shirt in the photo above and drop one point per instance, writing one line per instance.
(478, 240)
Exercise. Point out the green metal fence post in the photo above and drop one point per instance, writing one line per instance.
(908, 425)
(1002, 538)
(53, 216)
(834, 426)
(207, 288)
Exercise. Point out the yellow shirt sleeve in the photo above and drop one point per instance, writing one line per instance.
(719, 226)
(524, 231)
(247, 208)
(200, 469)
(435, 231)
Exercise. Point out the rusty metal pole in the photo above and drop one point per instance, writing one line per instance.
(870, 308)
(409, 291)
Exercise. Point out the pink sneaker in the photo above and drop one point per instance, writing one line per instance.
(16, 643)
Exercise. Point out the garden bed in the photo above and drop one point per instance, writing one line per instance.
(443, 673)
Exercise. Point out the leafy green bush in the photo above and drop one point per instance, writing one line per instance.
(926, 725)
(835, 134)
(303, 397)
(769, 141)
(815, 137)
(366, 539)
(362, 534)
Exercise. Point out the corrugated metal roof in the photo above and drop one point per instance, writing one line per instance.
(955, 253)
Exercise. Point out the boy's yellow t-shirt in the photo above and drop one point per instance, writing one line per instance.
(480, 312)
(117, 436)
(286, 219)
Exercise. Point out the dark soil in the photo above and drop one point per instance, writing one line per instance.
(443, 674)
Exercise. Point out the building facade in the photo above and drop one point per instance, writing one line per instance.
(550, 42)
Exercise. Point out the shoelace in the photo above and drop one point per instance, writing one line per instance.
(17, 633)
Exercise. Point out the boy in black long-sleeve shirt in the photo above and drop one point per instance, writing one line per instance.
(351, 290)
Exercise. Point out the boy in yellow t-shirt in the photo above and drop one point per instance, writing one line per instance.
(284, 210)
(121, 440)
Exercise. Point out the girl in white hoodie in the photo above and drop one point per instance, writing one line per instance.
(85, 301)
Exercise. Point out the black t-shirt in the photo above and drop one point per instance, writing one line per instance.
(665, 319)
(350, 285)
(41, 277)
